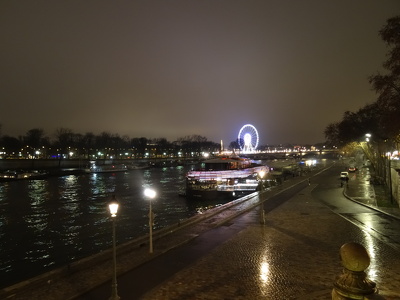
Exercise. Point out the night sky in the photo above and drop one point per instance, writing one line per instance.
(176, 68)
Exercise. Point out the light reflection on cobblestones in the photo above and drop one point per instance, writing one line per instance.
(296, 255)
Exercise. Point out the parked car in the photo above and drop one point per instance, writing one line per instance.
(352, 169)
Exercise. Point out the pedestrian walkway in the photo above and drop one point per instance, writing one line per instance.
(295, 255)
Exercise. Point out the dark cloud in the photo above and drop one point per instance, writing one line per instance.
(175, 68)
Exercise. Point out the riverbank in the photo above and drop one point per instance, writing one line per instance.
(68, 165)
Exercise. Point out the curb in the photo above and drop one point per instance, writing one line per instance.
(370, 206)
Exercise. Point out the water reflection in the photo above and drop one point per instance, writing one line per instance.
(49, 223)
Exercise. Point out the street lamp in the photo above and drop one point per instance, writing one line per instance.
(389, 154)
(150, 194)
(113, 207)
(261, 175)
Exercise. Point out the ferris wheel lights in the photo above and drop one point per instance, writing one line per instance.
(248, 138)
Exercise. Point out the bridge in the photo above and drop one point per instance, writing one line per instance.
(268, 155)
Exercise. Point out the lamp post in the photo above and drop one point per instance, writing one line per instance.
(389, 154)
(150, 194)
(261, 175)
(113, 207)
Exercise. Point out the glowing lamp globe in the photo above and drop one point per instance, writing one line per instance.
(113, 206)
(149, 193)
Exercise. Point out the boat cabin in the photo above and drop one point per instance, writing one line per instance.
(226, 163)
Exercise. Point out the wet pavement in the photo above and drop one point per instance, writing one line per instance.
(295, 255)
(360, 190)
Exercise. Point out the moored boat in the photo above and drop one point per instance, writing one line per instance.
(224, 177)
(94, 168)
(20, 175)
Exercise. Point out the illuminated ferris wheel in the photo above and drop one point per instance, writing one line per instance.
(248, 138)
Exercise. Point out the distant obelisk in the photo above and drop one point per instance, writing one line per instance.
(222, 146)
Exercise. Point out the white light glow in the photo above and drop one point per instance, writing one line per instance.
(248, 138)
(149, 193)
(264, 272)
(113, 206)
(311, 162)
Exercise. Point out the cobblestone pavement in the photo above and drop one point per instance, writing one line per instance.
(295, 255)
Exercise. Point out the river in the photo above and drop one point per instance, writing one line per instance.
(45, 224)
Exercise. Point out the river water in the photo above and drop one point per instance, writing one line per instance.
(45, 224)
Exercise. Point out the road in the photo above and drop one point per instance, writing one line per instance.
(375, 223)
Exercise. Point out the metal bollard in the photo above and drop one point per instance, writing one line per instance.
(353, 282)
